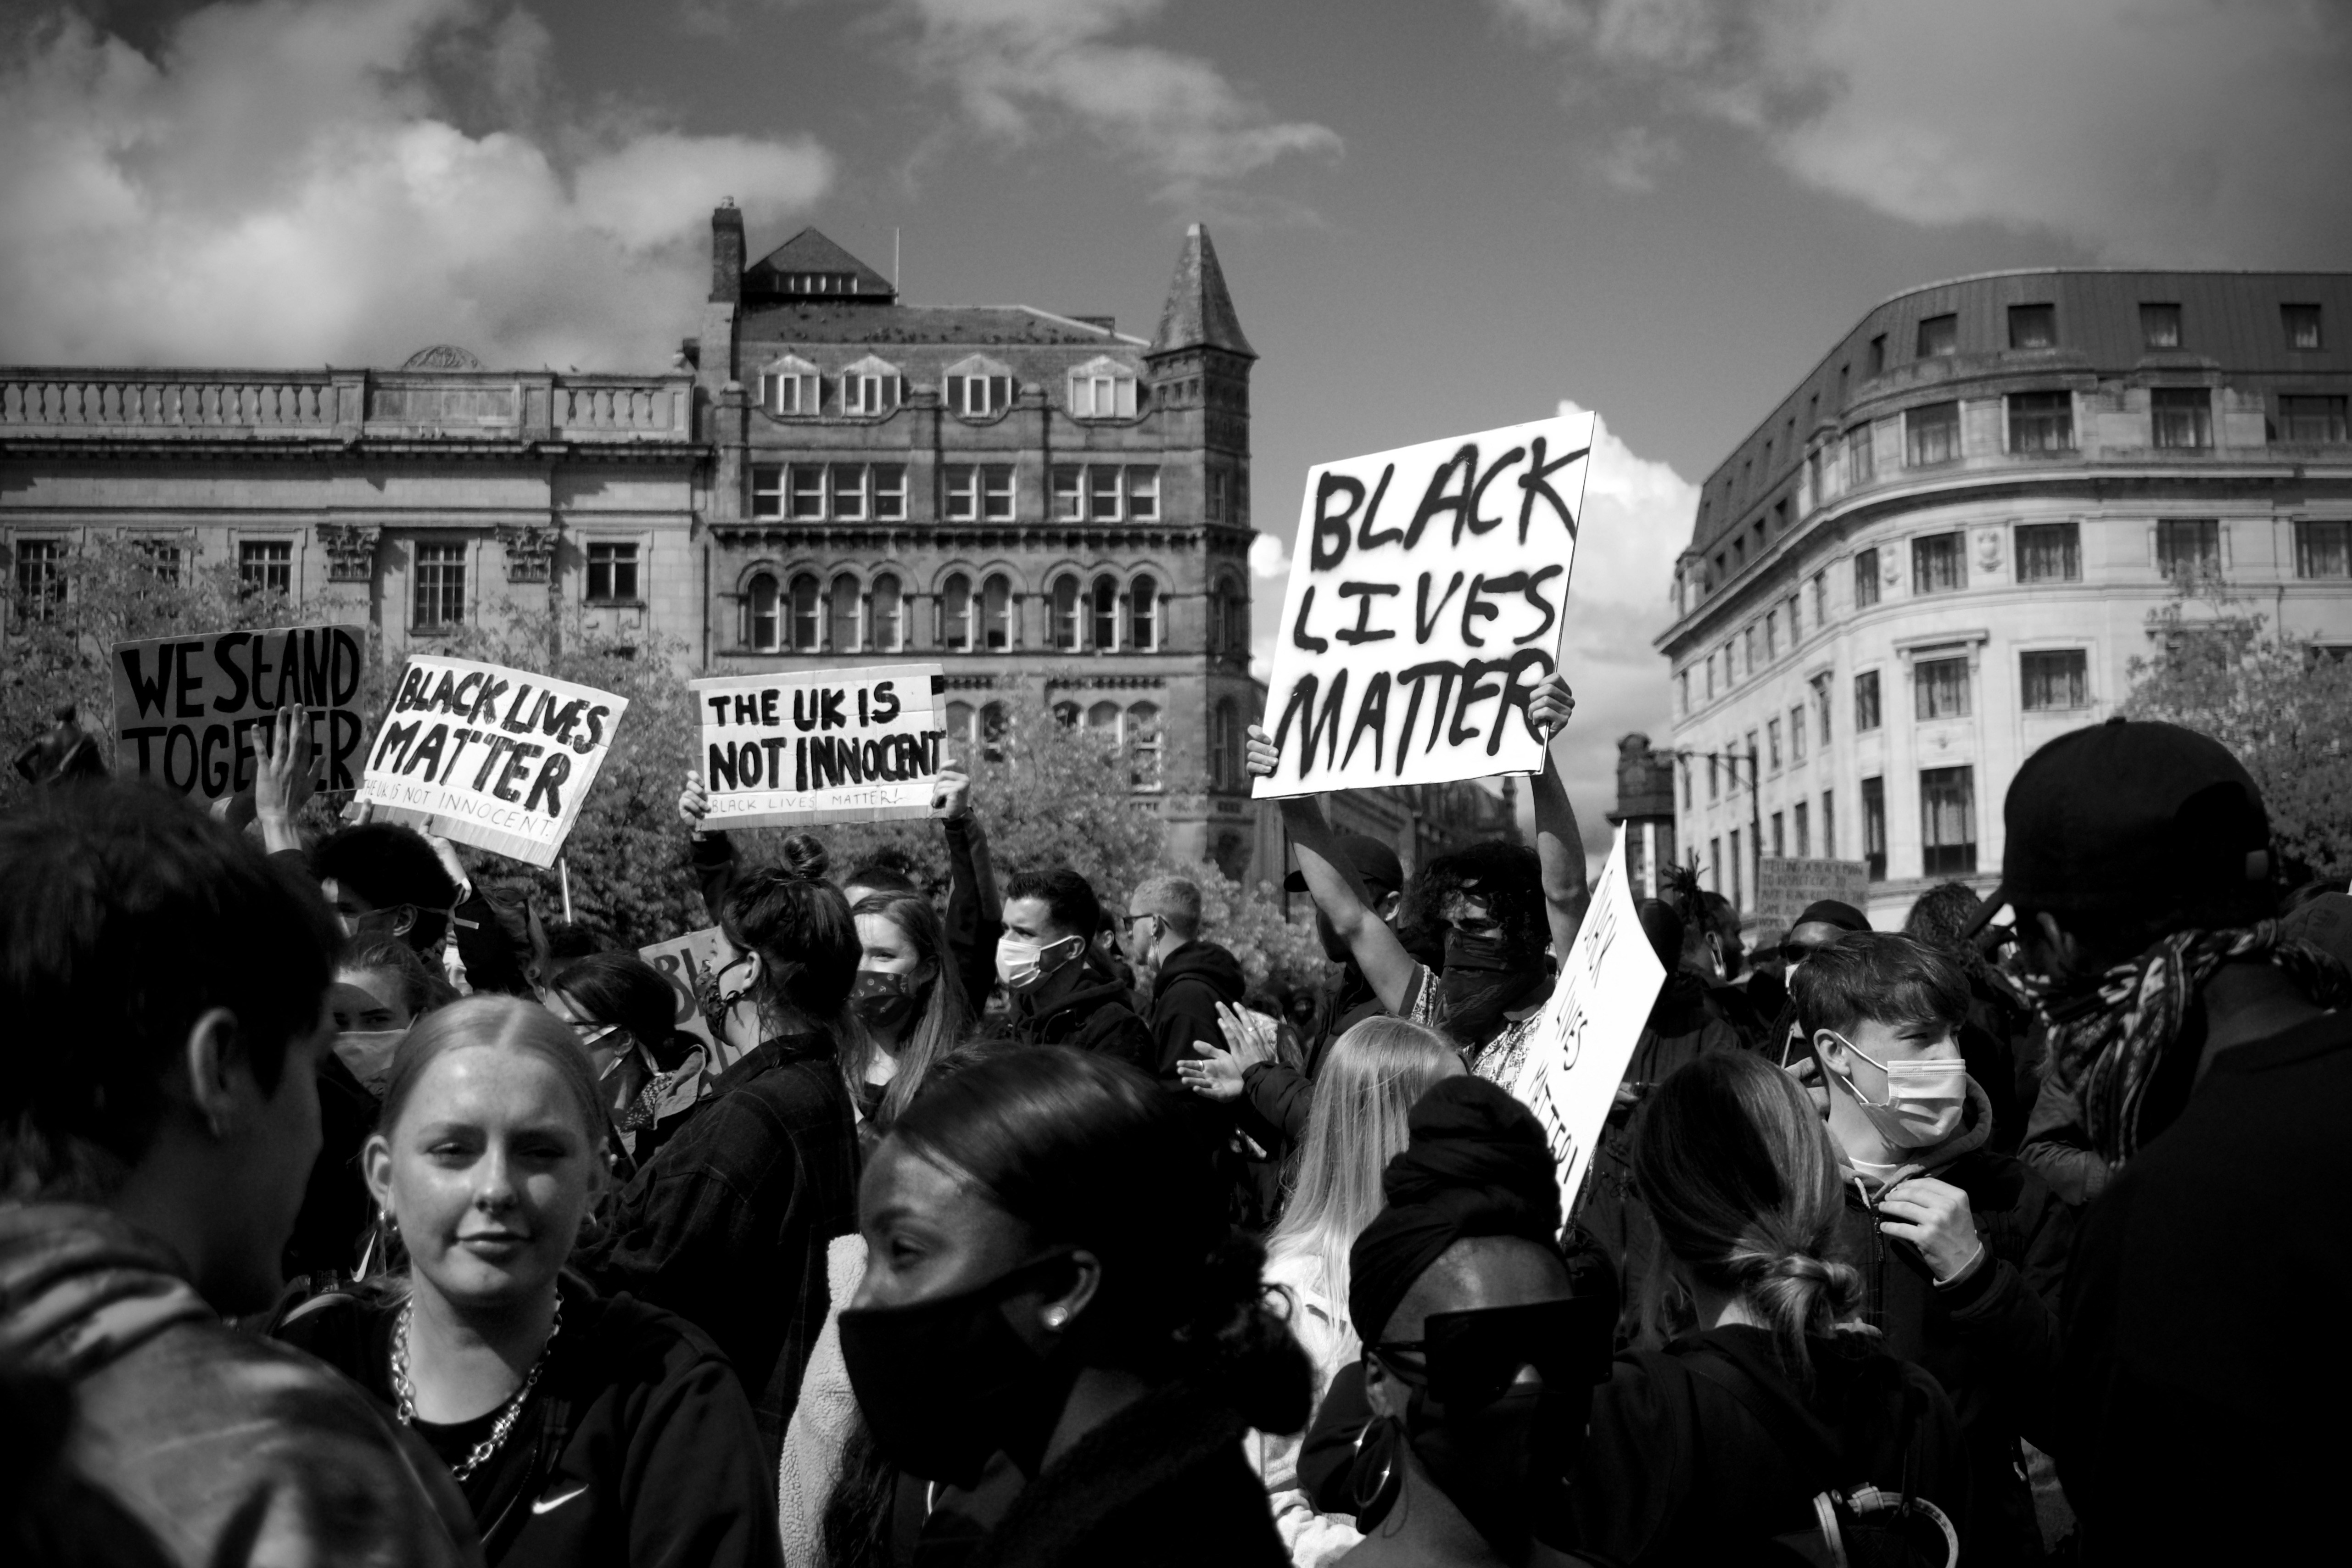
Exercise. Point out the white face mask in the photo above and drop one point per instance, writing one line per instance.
(1020, 962)
(1923, 1099)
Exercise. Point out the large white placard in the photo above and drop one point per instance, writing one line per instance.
(822, 745)
(186, 708)
(490, 757)
(1588, 1029)
(1428, 598)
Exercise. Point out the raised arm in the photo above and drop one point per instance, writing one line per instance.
(1559, 846)
(1332, 882)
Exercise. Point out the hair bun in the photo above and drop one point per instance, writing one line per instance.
(804, 856)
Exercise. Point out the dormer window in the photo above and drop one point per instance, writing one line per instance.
(1102, 389)
(790, 386)
(871, 386)
(977, 388)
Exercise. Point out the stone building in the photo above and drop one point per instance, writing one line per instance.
(1645, 810)
(1943, 547)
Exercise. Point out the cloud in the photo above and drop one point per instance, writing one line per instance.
(1021, 67)
(287, 181)
(2149, 132)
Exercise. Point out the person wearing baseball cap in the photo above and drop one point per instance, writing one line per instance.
(2197, 1054)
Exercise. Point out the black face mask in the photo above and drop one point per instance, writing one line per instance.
(946, 1383)
(886, 1004)
(1479, 985)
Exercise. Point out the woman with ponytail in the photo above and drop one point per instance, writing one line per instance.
(1702, 1449)
(1051, 1276)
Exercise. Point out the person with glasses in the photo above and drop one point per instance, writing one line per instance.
(626, 1014)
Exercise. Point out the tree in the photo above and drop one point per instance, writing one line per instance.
(1278, 953)
(2280, 702)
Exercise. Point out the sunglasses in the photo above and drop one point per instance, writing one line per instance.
(1798, 952)
(1469, 1360)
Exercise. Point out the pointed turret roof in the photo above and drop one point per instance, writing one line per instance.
(810, 265)
(1199, 311)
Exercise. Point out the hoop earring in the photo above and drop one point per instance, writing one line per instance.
(1377, 1474)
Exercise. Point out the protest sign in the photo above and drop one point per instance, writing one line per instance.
(1588, 1029)
(185, 707)
(494, 757)
(1784, 887)
(821, 745)
(686, 962)
(1418, 620)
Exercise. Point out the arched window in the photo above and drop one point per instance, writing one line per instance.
(1066, 714)
(760, 630)
(847, 607)
(1226, 744)
(991, 731)
(960, 730)
(1106, 612)
(955, 613)
(883, 615)
(1143, 614)
(1216, 608)
(996, 612)
(1143, 735)
(1102, 722)
(1232, 611)
(808, 624)
(1065, 612)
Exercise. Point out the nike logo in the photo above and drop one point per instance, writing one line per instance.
(550, 1504)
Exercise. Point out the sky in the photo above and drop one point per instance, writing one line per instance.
(1434, 217)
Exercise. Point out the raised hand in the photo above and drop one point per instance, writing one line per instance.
(1216, 1076)
(693, 801)
(1549, 706)
(281, 780)
(1258, 756)
(1249, 1035)
(951, 791)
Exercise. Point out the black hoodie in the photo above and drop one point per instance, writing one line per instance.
(1192, 980)
(1083, 1004)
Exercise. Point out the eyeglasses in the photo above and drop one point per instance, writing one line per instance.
(1471, 1359)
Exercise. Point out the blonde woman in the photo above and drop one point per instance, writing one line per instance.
(1369, 1081)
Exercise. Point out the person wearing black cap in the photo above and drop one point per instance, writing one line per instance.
(1823, 921)
(1479, 1358)
(2204, 1060)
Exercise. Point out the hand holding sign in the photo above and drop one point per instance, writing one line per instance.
(827, 746)
(693, 801)
(1549, 706)
(951, 794)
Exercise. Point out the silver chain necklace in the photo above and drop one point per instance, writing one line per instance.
(405, 1391)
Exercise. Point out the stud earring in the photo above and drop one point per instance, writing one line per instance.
(1055, 1317)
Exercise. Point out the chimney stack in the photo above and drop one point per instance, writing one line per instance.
(726, 253)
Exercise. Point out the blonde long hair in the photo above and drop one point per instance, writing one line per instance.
(1371, 1078)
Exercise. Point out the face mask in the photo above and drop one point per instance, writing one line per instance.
(1020, 963)
(368, 1054)
(945, 1383)
(1924, 1100)
(1485, 952)
(716, 999)
(1478, 987)
(885, 1003)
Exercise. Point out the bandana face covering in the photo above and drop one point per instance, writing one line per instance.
(1923, 1099)
(886, 1003)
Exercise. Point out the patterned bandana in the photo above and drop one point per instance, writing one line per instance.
(2108, 1058)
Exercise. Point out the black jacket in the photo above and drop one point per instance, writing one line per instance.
(2207, 1366)
(1162, 1484)
(1083, 1005)
(1192, 982)
(1278, 1096)
(636, 1451)
(728, 1225)
(333, 1221)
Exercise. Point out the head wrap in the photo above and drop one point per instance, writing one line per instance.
(1830, 912)
(1475, 1164)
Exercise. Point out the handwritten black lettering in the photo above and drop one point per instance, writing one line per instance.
(1363, 593)
(1534, 483)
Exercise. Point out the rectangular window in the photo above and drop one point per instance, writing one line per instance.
(1212, 503)
(1829, 824)
(439, 598)
(1682, 692)
(849, 492)
(612, 574)
(1821, 706)
(1878, 354)
(1938, 564)
(1739, 898)
(1772, 633)
(868, 393)
(978, 397)
(266, 565)
(1795, 604)
(1710, 677)
(2159, 326)
(1820, 599)
(1797, 733)
(2302, 324)
(1779, 836)
(889, 492)
(1144, 492)
(1798, 815)
(808, 490)
(1070, 493)
(2033, 326)
(1102, 493)
(996, 491)
(793, 394)
(960, 501)
(2311, 419)
(1931, 435)
(2049, 552)
(2323, 549)
(767, 490)
(1749, 636)
(1714, 778)
(40, 577)
(2055, 681)
(1772, 743)
(1939, 335)
(2188, 548)
(1715, 863)
(1873, 828)
(1866, 702)
(1948, 821)
(161, 557)
(2181, 416)
(1940, 688)
(1866, 578)
(2041, 421)
(1861, 461)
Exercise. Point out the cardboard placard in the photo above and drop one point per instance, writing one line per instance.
(1428, 598)
(1589, 1028)
(683, 962)
(490, 757)
(821, 745)
(1784, 887)
(185, 707)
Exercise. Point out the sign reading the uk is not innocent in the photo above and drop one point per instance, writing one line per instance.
(1427, 602)
(490, 757)
(822, 745)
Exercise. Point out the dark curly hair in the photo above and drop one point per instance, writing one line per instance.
(1505, 878)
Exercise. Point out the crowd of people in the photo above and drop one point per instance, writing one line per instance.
(993, 1225)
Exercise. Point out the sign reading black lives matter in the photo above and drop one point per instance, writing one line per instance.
(186, 708)
(490, 757)
(822, 745)
(1427, 602)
